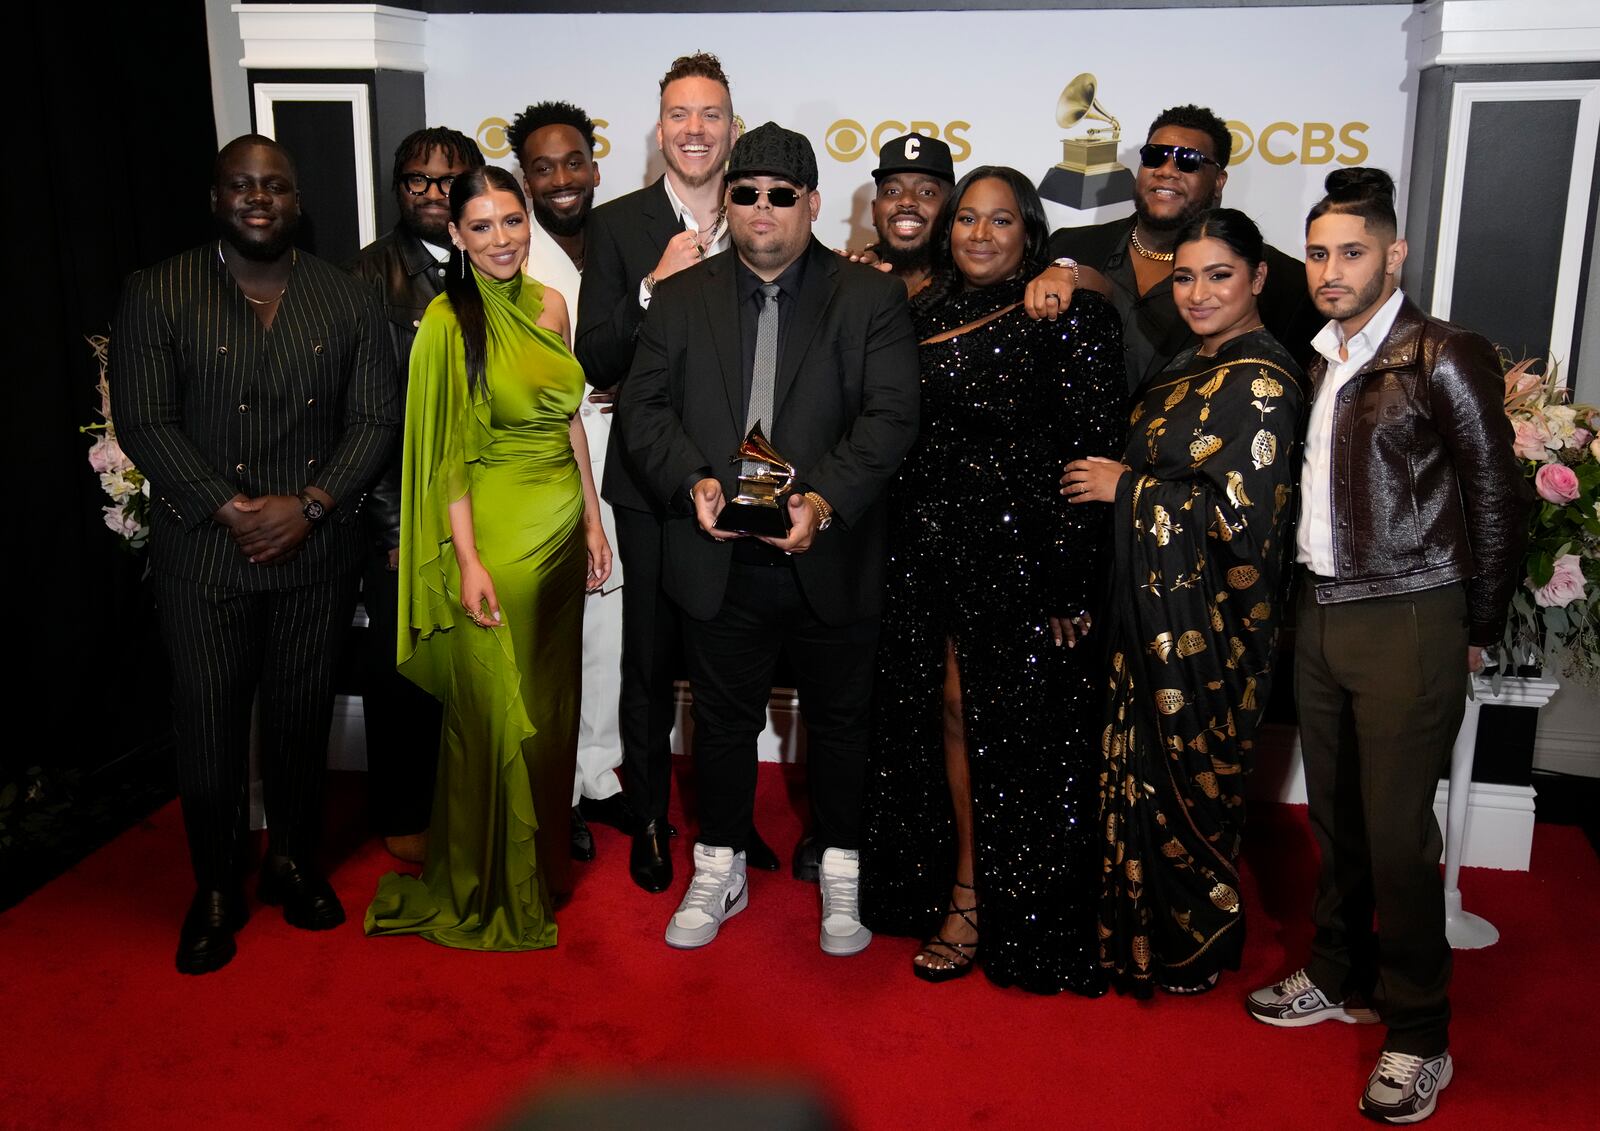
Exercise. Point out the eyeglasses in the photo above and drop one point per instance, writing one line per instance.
(417, 184)
(1188, 160)
(778, 197)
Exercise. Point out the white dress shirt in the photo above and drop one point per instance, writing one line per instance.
(1314, 536)
(713, 241)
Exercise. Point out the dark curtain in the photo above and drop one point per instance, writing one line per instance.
(110, 174)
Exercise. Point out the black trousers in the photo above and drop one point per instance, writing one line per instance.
(1380, 686)
(402, 720)
(227, 646)
(731, 659)
(651, 646)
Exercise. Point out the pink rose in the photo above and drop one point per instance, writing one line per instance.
(106, 455)
(1556, 483)
(120, 521)
(1581, 438)
(1565, 585)
(1530, 438)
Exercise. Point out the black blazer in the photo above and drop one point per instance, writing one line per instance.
(623, 242)
(846, 398)
(209, 405)
(406, 278)
(1285, 304)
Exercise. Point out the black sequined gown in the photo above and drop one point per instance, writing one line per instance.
(983, 548)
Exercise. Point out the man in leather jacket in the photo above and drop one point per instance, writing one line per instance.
(1413, 522)
(406, 267)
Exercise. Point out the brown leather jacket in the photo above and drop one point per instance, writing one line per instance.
(1426, 488)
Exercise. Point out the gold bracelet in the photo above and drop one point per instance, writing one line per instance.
(824, 511)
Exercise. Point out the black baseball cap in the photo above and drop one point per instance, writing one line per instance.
(915, 153)
(770, 150)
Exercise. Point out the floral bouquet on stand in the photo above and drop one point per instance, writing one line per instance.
(129, 490)
(1558, 602)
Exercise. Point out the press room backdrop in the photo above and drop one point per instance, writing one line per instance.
(1305, 90)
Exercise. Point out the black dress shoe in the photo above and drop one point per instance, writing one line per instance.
(613, 811)
(650, 863)
(308, 900)
(206, 941)
(582, 838)
(758, 854)
(807, 864)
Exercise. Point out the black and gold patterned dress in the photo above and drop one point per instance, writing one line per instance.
(1202, 544)
(983, 549)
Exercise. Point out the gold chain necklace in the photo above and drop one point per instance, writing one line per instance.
(1155, 256)
(294, 257)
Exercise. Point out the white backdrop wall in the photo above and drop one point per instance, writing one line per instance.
(1305, 89)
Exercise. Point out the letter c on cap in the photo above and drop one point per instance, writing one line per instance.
(913, 147)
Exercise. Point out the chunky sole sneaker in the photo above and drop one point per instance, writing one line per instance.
(717, 891)
(1296, 1002)
(1405, 1088)
(839, 877)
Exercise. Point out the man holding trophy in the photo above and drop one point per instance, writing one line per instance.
(772, 397)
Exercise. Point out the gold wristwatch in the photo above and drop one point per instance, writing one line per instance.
(824, 511)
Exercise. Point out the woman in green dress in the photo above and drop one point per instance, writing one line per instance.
(500, 538)
(1201, 534)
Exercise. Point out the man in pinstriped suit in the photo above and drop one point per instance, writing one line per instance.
(254, 386)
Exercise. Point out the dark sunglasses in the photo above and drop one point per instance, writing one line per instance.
(1188, 160)
(778, 197)
(417, 184)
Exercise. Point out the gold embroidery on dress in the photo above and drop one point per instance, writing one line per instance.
(1179, 391)
(1243, 576)
(1202, 448)
(1263, 449)
(1224, 898)
(1211, 386)
(1235, 491)
(1280, 499)
(1191, 643)
(1161, 646)
(1207, 781)
(1169, 700)
(1162, 527)
(1247, 701)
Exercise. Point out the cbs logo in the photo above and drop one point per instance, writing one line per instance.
(1310, 143)
(491, 138)
(847, 139)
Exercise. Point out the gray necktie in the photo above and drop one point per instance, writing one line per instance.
(764, 374)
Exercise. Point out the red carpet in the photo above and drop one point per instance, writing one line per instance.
(335, 1030)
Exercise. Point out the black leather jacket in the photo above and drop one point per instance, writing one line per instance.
(407, 278)
(1426, 488)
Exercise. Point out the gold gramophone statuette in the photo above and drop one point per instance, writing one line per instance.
(760, 506)
(1089, 174)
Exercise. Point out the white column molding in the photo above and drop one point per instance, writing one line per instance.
(1586, 93)
(350, 37)
(268, 94)
(1456, 32)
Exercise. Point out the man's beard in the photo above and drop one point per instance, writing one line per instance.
(265, 249)
(1156, 224)
(559, 225)
(1364, 299)
(436, 234)
(906, 259)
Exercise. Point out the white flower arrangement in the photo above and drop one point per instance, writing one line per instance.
(127, 516)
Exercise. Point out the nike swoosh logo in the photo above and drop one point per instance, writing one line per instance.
(729, 900)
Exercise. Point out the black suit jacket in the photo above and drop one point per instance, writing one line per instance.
(623, 243)
(1285, 304)
(209, 405)
(847, 397)
(406, 278)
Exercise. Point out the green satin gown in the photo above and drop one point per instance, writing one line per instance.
(496, 845)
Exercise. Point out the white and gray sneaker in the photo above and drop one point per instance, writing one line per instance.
(717, 890)
(1404, 1088)
(840, 879)
(1296, 1002)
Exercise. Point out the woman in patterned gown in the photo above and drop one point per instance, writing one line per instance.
(980, 797)
(500, 537)
(1202, 542)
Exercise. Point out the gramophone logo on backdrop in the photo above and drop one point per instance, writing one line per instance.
(1089, 174)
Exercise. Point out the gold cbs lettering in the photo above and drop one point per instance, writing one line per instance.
(847, 139)
(491, 138)
(1310, 143)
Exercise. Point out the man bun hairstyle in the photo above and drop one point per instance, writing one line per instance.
(542, 114)
(1363, 191)
(700, 65)
(1201, 118)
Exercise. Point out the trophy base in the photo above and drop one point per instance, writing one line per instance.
(1084, 190)
(746, 518)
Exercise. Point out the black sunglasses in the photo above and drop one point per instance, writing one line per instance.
(778, 197)
(1188, 160)
(417, 184)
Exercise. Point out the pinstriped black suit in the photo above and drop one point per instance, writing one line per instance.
(210, 405)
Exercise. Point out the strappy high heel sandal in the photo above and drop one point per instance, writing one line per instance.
(955, 958)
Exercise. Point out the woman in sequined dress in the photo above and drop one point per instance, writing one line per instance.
(980, 796)
(1202, 538)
